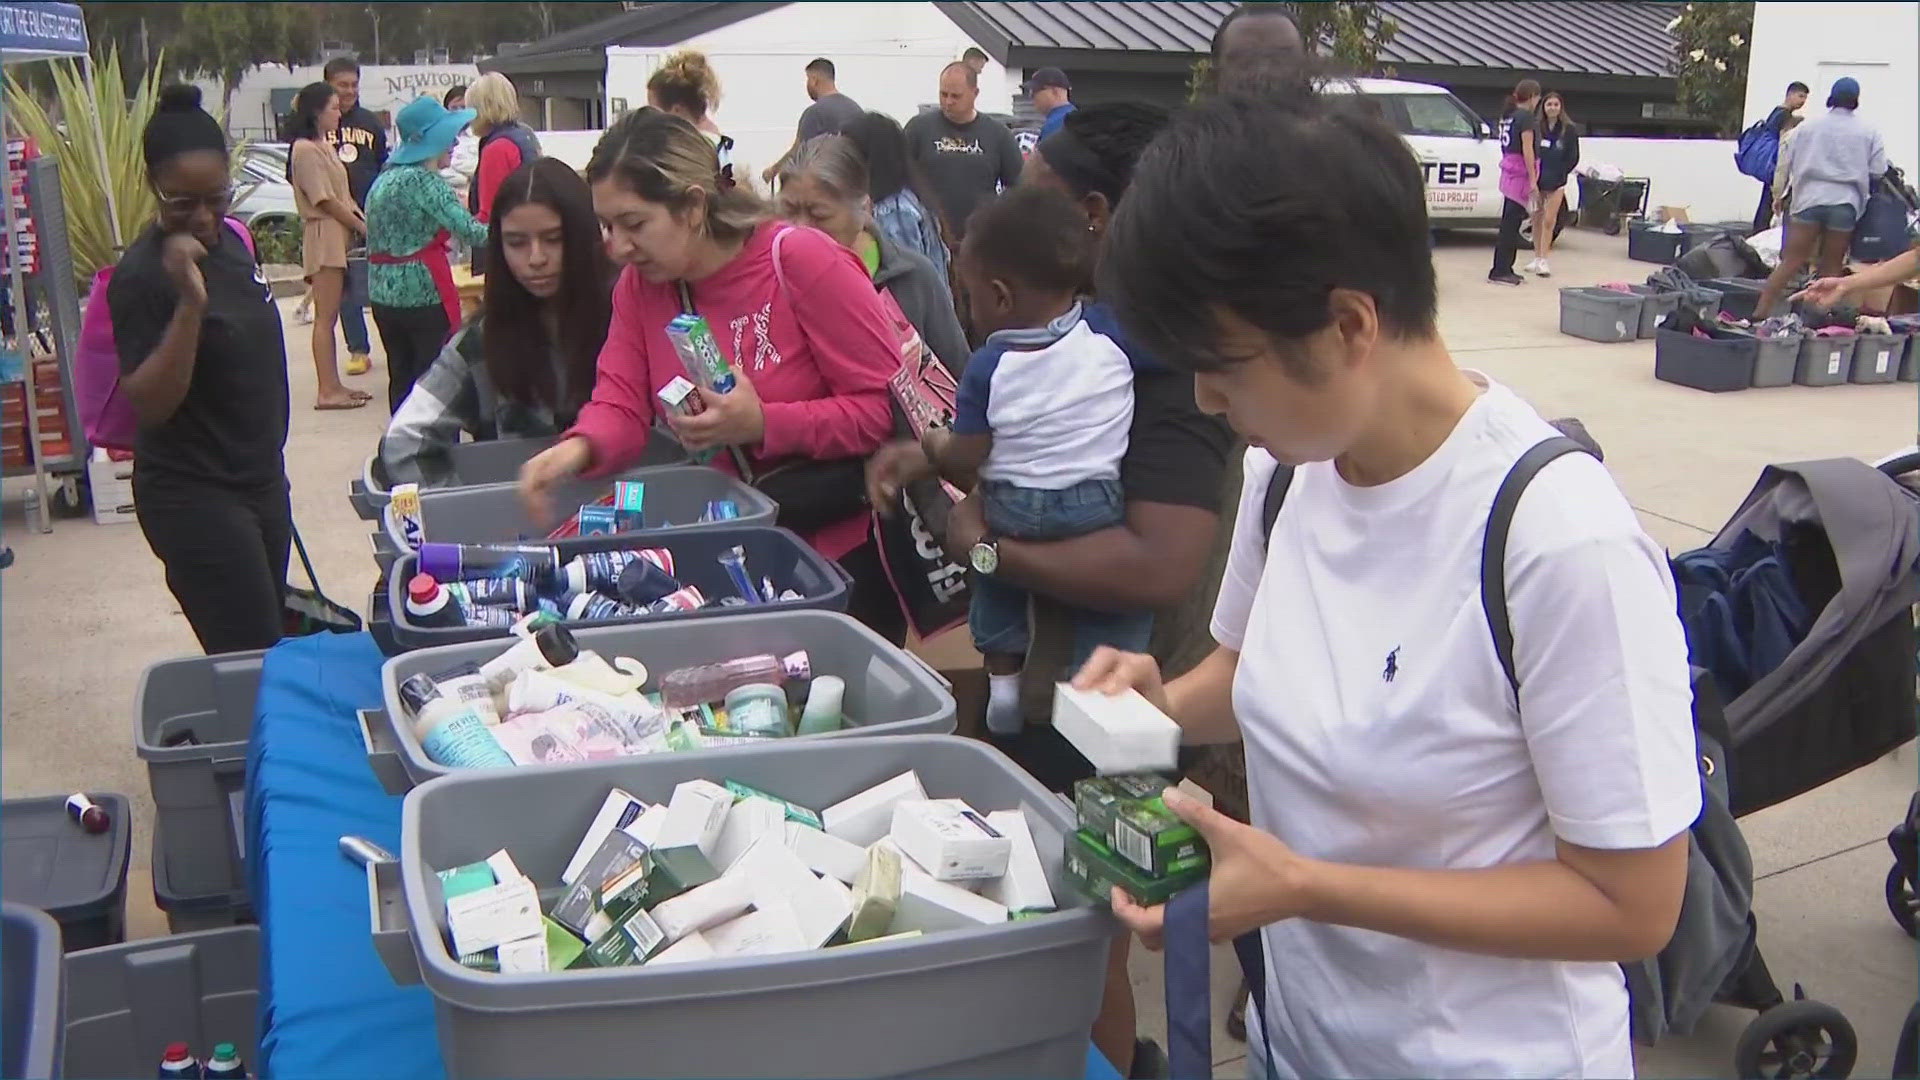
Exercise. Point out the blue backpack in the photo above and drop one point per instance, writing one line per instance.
(1758, 151)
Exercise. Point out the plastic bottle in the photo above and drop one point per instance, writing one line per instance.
(592, 607)
(494, 592)
(758, 709)
(452, 733)
(703, 683)
(178, 1063)
(549, 647)
(591, 671)
(472, 562)
(430, 604)
(825, 710)
(600, 570)
(225, 1064)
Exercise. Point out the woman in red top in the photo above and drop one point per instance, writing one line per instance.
(504, 145)
(811, 348)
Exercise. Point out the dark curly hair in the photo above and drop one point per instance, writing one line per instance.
(1097, 147)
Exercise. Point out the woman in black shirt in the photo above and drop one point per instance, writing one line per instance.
(203, 363)
(1558, 151)
(1519, 172)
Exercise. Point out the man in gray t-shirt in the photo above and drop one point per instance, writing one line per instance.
(832, 112)
(967, 157)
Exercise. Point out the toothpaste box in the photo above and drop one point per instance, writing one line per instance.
(618, 811)
(929, 905)
(596, 520)
(1120, 733)
(747, 822)
(950, 840)
(612, 863)
(826, 854)
(867, 816)
(1127, 813)
(492, 916)
(700, 353)
(1024, 887)
(795, 812)
(876, 894)
(704, 907)
(630, 941)
(1096, 870)
(630, 503)
(679, 397)
(690, 834)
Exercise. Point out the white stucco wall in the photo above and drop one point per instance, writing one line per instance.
(1876, 43)
(1695, 173)
(888, 57)
(382, 86)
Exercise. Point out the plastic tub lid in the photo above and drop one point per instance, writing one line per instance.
(47, 861)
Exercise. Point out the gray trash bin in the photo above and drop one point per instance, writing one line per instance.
(496, 461)
(1824, 361)
(677, 495)
(1014, 999)
(125, 1003)
(889, 690)
(31, 993)
(1599, 314)
(1876, 358)
(192, 720)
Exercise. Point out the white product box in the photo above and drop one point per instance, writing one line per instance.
(777, 878)
(110, 485)
(747, 822)
(503, 866)
(949, 840)
(485, 918)
(687, 950)
(1024, 886)
(704, 907)
(929, 906)
(826, 854)
(528, 956)
(765, 932)
(866, 817)
(688, 837)
(617, 812)
(1119, 734)
(646, 827)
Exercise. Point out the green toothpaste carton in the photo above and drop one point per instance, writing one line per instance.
(1128, 814)
(795, 812)
(1096, 870)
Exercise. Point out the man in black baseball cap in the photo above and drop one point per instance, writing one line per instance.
(1051, 93)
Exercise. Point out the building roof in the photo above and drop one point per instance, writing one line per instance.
(652, 24)
(1595, 37)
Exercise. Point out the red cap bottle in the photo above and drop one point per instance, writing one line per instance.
(178, 1063)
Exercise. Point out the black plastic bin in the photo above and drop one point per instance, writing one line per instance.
(1711, 364)
(1739, 297)
(770, 553)
(125, 1003)
(32, 993)
(1604, 203)
(1647, 242)
(47, 861)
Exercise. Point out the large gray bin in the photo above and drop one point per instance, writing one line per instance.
(494, 513)
(496, 461)
(125, 1003)
(1876, 358)
(889, 690)
(1599, 314)
(1654, 307)
(1824, 361)
(1776, 359)
(1010, 1000)
(199, 789)
(30, 993)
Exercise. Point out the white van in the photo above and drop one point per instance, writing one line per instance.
(1458, 152)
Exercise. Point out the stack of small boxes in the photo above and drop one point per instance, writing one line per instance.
(1128, 839)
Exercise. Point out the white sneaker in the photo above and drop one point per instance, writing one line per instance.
(1540, 267)
(1533, 265)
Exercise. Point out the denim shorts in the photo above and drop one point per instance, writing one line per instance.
(997, 617)
(1835, 218)
(1026, 513)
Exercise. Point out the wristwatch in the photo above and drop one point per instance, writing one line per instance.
(985, 555)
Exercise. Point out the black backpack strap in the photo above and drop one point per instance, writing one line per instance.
(1493, 548)
(1277, 486)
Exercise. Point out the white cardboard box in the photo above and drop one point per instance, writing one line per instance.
(826, 854)
(929, 906)
(617, 811)
(1119, 734)
(777, 878)
(689, 836)
(704, 907)
(747, 822)
(764, 932)
(687, 950)
(949, 840)
(1024, 886)
(866, 817)
(489, 917)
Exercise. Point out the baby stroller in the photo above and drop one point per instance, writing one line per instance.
(1843, 696)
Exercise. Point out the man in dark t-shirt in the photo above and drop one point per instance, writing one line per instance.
(832, 112)
(967, 157)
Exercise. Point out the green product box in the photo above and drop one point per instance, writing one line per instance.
(631, 941)
(1128, 814)
(1095, 869)
(795, 812)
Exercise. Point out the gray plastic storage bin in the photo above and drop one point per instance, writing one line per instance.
(494, 513)
(1738, 296)
(1599, 314)
(1910, 358)
(127, 1002)
(889, 690)
(496, 461)
(48, 861)
(199, 787)
(1654, 306)
(1008, 1000)
(1712, 364)
(31, 993)
(774, 553)
(1824, 361)
(188, 912)
(1775, 360)
(1876, 358)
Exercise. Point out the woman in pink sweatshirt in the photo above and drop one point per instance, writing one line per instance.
(810, 345)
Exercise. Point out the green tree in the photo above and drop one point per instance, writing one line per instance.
(228, 40)
(1710, 44)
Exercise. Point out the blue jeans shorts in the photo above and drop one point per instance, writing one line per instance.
(1835, 218)
(997, 617)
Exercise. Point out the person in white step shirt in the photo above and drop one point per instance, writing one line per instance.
(1447, 867)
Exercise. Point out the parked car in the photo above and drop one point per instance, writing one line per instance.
(1459, 152)
(262, 196)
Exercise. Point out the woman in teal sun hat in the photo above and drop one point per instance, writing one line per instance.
(412, 216)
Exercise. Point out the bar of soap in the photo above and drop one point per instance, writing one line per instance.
(876, 894)
(1024, 887)
(863, 818)
(1096, 870)
(1128, 813)
(707, 906)
(1119, 733)
(949, 840)
(824, 854)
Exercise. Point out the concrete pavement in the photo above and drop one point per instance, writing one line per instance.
(85, 609)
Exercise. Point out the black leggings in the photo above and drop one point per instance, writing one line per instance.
(872, 600)
(226, 556)
(412, 337)
(1507, 247)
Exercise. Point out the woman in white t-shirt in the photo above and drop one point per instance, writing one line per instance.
(1447, 878)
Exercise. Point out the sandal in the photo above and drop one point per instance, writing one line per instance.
(341, 406)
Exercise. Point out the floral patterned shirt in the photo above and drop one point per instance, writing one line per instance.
(408, 206)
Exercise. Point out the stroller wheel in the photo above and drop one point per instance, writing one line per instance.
(1800, 1039)
(1902, 901)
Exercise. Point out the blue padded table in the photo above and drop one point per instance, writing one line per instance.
(328, 1006)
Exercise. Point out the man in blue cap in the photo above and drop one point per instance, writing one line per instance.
(1831, 162)
(1051, 93)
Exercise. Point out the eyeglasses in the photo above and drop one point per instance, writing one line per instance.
(216, 203)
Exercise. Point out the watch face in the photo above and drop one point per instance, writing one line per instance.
(985, 557)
